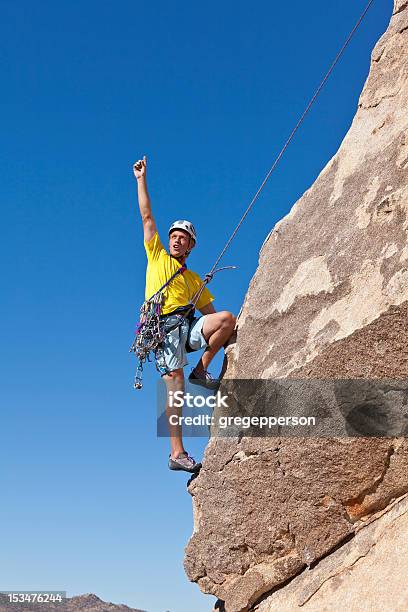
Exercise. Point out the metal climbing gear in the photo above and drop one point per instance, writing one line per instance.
(153, 325)
(151, 332)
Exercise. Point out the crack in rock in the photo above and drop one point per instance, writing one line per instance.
(400, 8)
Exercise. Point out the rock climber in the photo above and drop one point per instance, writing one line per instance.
(210, 331)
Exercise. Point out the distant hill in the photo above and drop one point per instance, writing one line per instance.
(88, 602)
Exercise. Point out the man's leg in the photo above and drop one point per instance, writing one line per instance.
(174, 382)
(217, 329)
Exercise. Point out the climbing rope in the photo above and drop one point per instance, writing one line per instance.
(150, 333)
(208, 276)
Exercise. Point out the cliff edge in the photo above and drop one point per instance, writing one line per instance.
(329, 300)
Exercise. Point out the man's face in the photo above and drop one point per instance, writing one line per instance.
(179, 243)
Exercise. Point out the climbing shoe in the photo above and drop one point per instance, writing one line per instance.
(207, 381)
(185, 463)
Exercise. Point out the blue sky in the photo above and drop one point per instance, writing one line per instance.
(209, 92)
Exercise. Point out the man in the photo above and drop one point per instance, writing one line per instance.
(211, 331)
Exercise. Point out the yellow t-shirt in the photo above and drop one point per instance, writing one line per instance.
(160, 267)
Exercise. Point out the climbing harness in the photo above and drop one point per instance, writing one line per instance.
(150, 332)
(153, 325)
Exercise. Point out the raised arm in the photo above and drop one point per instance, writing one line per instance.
(149, 224)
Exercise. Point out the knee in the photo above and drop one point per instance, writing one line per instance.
(175, 375)
(227, 319)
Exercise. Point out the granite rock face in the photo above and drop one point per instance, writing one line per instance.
(329, 300)
(361, 575)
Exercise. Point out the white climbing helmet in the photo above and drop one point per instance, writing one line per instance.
(187, 226)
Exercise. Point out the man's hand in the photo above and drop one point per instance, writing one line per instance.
(139, 168)
(149, 225)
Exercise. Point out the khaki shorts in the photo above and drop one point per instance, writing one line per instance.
(174, 355)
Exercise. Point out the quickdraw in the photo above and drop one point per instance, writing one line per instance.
(150, 332)
(149, 335)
